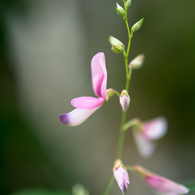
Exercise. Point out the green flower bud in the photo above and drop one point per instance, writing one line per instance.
(128, 4)
(117, 46)
(137, 26)
(79, 189)
(109, 93)
(137, 62)
(119, 10)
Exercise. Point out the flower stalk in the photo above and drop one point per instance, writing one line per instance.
(124, 113)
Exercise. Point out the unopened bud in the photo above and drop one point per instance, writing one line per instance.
(109, 93)
(124, 100)
(121, 175)
(137, 26)
(79, 189)
(128, 4)
(117, 46)
(137, 62)
(119, 10)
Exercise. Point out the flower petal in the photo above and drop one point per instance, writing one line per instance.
(87, 102)
(156, 128)
(145, 147)
(122, 178)
(77, 116)
(160, 185)
(99, 75)
(166, 186)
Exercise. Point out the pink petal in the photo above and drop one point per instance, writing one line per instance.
(155, 129)
(166, 186)
(87, 102)
(77, 116)
(99, 75)
(122, 178)
(146, 148)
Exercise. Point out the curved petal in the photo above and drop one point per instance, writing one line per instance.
(122, 178)
(99, 75)
(87, 102)
(160, 185)
(145, 147)
(166, 186)
(155, 129)
(77, 116)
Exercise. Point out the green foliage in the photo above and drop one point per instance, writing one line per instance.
(191, 186)
(40, 192)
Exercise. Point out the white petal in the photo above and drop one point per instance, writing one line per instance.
(145, 147)
(77, 116)
(155, 128)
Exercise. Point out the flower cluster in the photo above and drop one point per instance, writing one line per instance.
(145, 133)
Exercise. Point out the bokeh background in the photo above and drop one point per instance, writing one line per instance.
(46, 48)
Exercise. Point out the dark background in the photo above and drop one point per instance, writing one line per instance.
(45, 53)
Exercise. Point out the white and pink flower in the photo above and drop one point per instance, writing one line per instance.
(146, 133)
(121, 176)
(124, 100)
(161, 185)
(87, 105)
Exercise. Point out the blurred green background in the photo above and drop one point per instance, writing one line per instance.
(45, 51)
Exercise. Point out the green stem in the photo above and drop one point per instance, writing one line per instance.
(123, 119)
(109, 185)
(121, 137)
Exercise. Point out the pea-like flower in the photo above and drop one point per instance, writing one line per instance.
(145, 134)
(161, 185)
(87, 105)
(121, 176)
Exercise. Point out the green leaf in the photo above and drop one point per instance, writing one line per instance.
(190, 185)
(40, 192)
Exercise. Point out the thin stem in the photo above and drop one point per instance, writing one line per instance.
(123, 119)
(121, 137)
(109, 185)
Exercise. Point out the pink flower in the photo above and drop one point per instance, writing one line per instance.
(87, 105)
(121, 176)
(161, 185)
(146, 133)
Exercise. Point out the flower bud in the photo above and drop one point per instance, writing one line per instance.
(128, 4)
(124, 100)
(119, 10)
(117, 46)
(79, 189)
(137, 26)
(137, 62)
(121, 176)
(109, 93)
(160, 184)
